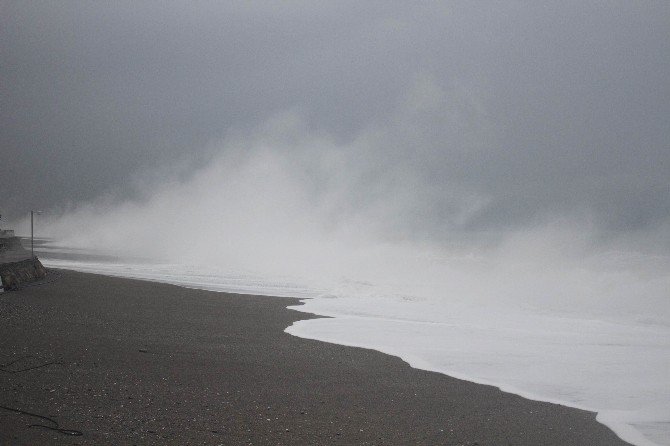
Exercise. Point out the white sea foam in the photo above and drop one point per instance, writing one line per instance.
(611, 357)
(190, 277)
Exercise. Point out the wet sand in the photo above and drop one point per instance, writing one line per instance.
(133, 362)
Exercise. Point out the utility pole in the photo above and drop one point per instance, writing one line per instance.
(32, 239)
(32, 250)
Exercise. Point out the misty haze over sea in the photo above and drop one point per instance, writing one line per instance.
(479, 188)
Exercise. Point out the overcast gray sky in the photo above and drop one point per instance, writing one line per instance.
(522, 110)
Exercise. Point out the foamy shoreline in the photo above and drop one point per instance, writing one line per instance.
(621, 428)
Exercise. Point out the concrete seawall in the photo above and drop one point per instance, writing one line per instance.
(17, 267)
(15, 274)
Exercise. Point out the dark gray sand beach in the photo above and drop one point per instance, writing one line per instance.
(132, 362)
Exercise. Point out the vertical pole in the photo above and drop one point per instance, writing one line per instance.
(32, 251)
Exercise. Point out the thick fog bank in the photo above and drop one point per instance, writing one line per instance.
(285, 202)
(561, 308)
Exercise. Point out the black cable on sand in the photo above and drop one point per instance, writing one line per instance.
(56, 427)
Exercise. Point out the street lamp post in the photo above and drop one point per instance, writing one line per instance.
(32, 238)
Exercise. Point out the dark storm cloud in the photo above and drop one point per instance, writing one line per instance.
(493, 114)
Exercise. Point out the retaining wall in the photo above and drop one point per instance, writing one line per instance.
(15, 274)
(16, 265)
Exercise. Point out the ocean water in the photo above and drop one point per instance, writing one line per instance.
(518, 328)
